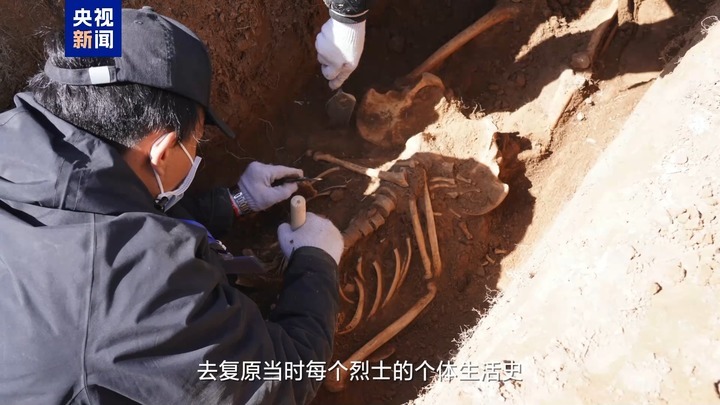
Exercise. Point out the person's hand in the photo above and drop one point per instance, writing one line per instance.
(256, 185)
(316, 232)
(339, 47)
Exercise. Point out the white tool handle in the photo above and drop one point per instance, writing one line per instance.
(297, 212)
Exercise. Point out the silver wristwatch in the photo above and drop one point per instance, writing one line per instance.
(239, 201)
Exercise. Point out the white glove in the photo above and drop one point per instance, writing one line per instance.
(339, 47)
(256, 185)
(316, 232)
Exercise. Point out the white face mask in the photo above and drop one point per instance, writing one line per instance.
(166, 199)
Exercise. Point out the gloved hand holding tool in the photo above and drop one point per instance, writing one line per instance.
(256, 190)
(339, 47)
(284, 180)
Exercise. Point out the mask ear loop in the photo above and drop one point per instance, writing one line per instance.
(157, 177)
(168, 201)
(186, 152)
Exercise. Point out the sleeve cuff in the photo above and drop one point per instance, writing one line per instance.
(348, 18)
(315, 259)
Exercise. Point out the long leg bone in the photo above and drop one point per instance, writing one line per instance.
(399, 178)
(494, 17)
(381, 354)
(585, 59)
(420, 238)
(379, 290)
(380, 339)
(358, 311)
(396, 278)
(432, 233)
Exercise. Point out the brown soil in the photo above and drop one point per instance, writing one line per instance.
(269, 89)
(492, 81)
(21, 28)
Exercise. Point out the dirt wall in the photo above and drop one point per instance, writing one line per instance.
(262, 53)
(613, 305)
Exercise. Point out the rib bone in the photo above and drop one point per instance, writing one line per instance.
(358, 311)
(345, 297)
(420, 238)
(406, 265)
(396, 278)
(379, 290)
(432, 233)
(380, 339)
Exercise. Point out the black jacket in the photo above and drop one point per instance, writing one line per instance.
(104, 300)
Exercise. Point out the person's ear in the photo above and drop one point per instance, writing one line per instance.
(160, 152)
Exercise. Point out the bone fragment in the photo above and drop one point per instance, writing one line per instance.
(442, 180)
(327, 172)
(440, 185)
(399, 178)
(464, 228)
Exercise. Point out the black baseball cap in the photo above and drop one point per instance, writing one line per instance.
(157, 51)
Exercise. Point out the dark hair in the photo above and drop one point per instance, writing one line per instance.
(122, 113)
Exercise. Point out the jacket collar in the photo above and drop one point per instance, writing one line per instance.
(49, 162)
